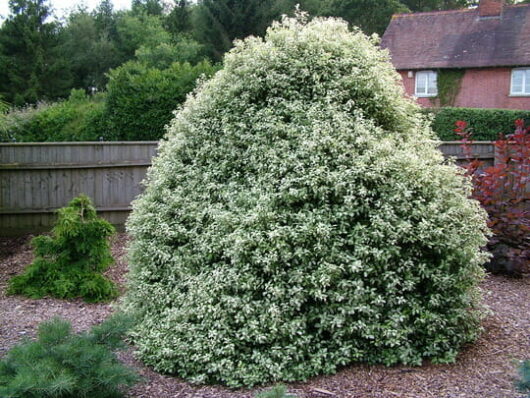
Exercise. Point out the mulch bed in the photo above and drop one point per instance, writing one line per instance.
(485, 369)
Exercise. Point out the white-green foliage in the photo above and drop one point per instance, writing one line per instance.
(298, 219)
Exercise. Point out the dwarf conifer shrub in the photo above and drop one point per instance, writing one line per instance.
(69, 263)
(61, 364)
(299, 218)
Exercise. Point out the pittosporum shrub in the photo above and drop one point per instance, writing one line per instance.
(61, 364)
(300, 218)
(503, 191)
(70, 262)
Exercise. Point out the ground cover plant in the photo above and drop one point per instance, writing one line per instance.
(503, 191)
(299, 218)
(61, 364)
(69, 263)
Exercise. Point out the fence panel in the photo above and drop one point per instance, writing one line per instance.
(483, 150)
(38, 178)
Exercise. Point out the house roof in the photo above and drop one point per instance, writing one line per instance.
(459, 39)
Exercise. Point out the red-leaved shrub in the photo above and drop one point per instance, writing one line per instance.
(504, 191)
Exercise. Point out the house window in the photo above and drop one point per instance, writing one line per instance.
(426, 85)
(520, 82)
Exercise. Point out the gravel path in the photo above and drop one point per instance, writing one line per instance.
(486, 369)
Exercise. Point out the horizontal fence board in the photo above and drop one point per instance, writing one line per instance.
(36, 179)
(53, 166)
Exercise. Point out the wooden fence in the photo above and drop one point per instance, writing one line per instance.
(38, 178)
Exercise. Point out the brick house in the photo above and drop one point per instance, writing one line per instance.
(476, 58)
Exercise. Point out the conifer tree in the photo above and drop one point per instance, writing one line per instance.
(31, 64)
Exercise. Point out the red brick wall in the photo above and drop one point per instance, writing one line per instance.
(480, 88)
(490, 8)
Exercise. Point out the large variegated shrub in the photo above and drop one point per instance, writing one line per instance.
(298, 218)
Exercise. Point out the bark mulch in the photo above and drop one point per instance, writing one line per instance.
(486, 369)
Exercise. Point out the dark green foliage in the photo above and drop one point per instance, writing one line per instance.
(91, 48)
(63, 365)
(149, 7)
(278, 391)
(178, 20)
(217, 23)
(69, 263)
(141, 99)
(523, 383)
(372, 16)
(437, 5)
(31, 66)
(4, 106)
(486, 124)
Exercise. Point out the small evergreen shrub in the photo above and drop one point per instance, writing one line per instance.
(299, 218)
(69, 263)
(61, 364)
(141, 99)
(523, 384)
(486, 124)
(278, 391)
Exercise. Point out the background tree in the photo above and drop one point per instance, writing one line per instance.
(372, 16)
(178, 20)
(106, 18)
(436, 5)
(216, 23)
(89, 49)
(31, 64)
(149, 7)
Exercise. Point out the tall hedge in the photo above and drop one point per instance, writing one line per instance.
(487, 124)
(299, 218)
(141, 99)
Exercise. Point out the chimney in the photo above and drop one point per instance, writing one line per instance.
(490, 8)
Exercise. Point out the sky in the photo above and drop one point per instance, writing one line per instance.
(61, 5)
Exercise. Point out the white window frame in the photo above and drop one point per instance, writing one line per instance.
(521, 93)
(426, 92)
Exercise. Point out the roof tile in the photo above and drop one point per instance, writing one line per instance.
(459, 39)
